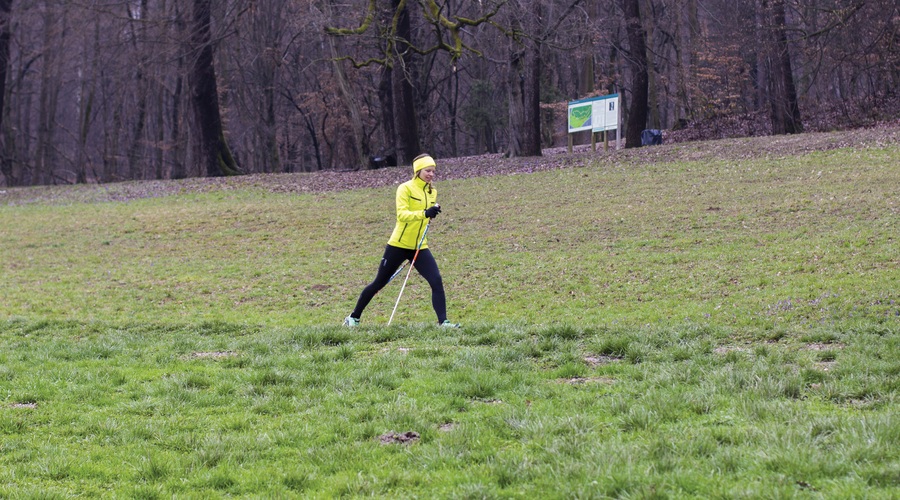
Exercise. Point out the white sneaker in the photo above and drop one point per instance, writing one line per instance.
(351, 321)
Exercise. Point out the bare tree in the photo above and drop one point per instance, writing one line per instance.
(776, 58)
(399, 53)
(176, 133)
(121, 89)
(405, 118)
(5, 7)
(252, 63)
(637, 59)
(48, 100)
(137, 15)
(525, 80)
(530, 30)
(213, 151)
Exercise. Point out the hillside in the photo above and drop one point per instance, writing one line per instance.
(467, 167)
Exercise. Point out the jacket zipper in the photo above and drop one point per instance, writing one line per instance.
(421, 227)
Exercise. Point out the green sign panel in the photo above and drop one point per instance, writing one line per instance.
(580, 117)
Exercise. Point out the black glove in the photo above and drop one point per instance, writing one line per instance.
(432, 212)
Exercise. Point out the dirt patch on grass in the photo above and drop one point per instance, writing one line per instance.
(399, 438)
(30, 406)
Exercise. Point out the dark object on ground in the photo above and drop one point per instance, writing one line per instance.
(382, 160)
(651, 137)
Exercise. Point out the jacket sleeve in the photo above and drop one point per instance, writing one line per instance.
(404, 213)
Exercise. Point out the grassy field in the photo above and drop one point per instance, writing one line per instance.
(635, 329)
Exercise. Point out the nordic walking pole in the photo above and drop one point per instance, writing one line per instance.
(411, 264)
(396, 272)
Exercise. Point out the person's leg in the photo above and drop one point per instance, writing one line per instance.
(391, 260)
(428, 268)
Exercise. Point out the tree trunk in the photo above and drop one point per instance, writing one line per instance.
(386, 101)
(654, 119)
(531, 145)
(159, 160)
(516, 101)
(270, 131)
(588, 70)
(135, 168)
(453, 105)
(46, 153)
(178, 170)
(178, 143)
(360, 146)
(406, 124)
(5, 160)
(785, 111)
(212, 149)
(525, 84)
(688, 48)
(637, 59)
(86, 107)
(266, 29)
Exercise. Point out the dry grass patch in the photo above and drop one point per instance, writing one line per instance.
(595, 361)
(587, 380)
(728, 349)
(213, 354)
(823, 347)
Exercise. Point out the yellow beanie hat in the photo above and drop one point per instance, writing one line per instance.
(422, 161)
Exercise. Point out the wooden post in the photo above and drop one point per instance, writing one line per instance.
(570, 143)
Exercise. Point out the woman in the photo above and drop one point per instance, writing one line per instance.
(416, 204)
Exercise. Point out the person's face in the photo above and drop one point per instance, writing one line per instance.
(427, 174)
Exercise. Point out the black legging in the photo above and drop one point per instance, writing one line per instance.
(425, 265)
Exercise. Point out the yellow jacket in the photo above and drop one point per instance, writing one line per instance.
(413, 197)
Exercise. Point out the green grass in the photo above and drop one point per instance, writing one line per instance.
(660, 330)
(216, 409)
(758, 244)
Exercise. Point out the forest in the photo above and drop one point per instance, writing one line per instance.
(99, 91)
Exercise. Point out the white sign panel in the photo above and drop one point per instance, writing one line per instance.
(606, 113)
